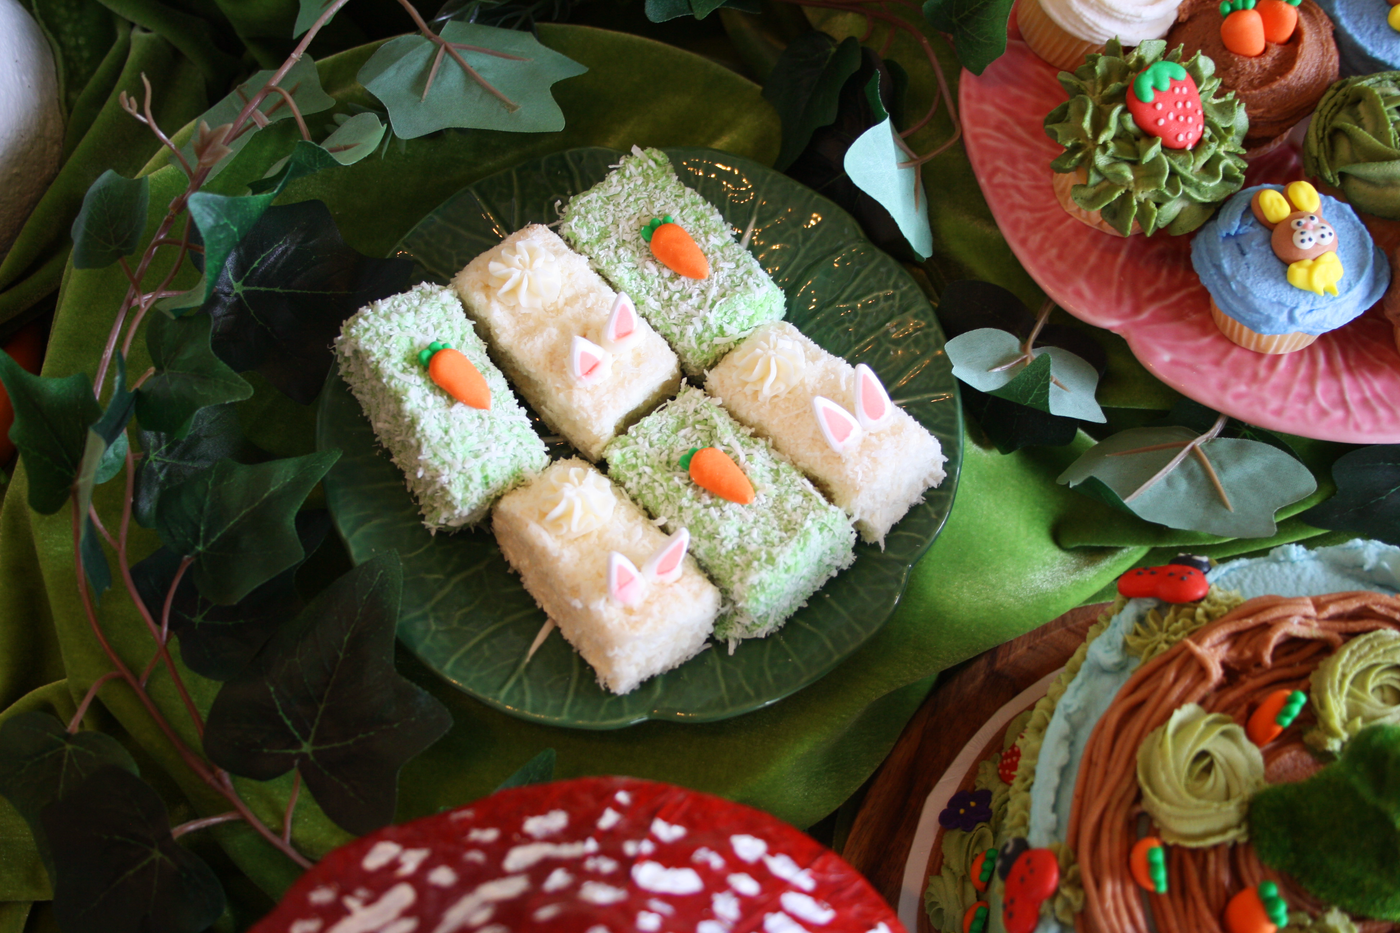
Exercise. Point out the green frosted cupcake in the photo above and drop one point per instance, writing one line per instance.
(767, 555)
(1128, 175)
(1353, 145)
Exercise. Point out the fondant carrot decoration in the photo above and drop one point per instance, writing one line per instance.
(711, 469)
(1275, 714)
(456, 375)
(1242, 29)
(1256, 910)
(674, 247)
(1280, 18)
(1148, 864)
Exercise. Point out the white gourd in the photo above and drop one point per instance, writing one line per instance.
(31, 121)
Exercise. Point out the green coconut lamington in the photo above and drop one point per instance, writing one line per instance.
(700, 318)
(1130, 176)
(456, 459)
(767, 556)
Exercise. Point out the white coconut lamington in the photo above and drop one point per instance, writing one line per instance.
(834, 421)
(625, 595)
(456, 459)
(700, 318)
(536, 300)
(768, 555)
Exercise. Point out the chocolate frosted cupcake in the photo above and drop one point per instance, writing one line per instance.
(1353, 144)
(1282, 83)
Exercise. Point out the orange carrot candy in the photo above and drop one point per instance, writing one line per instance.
(1280, 18)
(1242, 29)
(674, 247)
(456, 375)
(712, 469)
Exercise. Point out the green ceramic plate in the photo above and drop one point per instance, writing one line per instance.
(467, 616)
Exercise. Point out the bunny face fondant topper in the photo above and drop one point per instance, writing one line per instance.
(1302, 238)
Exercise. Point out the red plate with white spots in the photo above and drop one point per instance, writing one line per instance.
(1342, 388)
(593, 855)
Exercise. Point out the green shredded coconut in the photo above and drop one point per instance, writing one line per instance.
(1158, 631)
(1358, 686)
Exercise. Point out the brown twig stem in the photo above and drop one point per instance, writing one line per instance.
(1187, 449)
(296, 111)
(194, 825)
(1026, 357)
(291, 807)
(88, 697)
(451, 49)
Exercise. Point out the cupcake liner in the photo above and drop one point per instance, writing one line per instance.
(1048, 40)
(1259, 343)
(1063, 183)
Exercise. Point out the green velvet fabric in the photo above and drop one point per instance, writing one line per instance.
(1017, 550)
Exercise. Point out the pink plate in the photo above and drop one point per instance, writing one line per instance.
(1344, 387)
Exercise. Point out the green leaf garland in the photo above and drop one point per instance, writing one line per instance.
(978, 355)
(978, 28)
(111, 221)
(188, 375)
(1367, 502)
(805, 87)
(52, 417)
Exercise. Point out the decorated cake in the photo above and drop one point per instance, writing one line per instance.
(675, 255)
(585, 856)
(1178, 773)
(1353, 147)
(438, 404)
(1368, 35)
(625, 595)
(577, 351)
(835, 422)
(1063, 31)
(757, 526)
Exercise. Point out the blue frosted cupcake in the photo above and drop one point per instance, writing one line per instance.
(1284, 266)
(1366, 40)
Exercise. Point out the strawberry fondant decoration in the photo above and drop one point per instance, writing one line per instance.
(1166, 103)
(1171, 583)
(1033, 878)
(593, 853)
(1010, 762)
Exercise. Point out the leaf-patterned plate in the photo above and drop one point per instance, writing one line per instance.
(467, 616)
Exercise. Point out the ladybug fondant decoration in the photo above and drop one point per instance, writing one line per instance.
(1171, 583)
(1166, 103)
(1033, 878)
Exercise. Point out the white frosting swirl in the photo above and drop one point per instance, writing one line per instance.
(770, 364)
(578, 501)
(527, 275)
(1132, 21)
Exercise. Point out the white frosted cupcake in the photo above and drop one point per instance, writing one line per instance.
(1062, 32)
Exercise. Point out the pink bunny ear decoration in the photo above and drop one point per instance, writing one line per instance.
(625, 582)
(873, 406)
(623, 326)
(587, 360)
(838, 427)
(666, 564)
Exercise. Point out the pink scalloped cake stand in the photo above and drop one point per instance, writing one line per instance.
(1345, 387)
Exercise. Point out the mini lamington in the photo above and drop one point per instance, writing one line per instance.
(626, 596)
(834, 421)
(437, 404)
(577, 351)
(669, 248)
(759, 527)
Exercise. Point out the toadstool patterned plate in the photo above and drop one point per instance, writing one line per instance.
(1342, 388)
(468, 617)
(601, 853)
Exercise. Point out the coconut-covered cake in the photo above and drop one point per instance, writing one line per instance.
(1223, 762)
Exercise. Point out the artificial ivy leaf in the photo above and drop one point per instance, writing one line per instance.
(185, 302)
(1189, 413)
(1258, 479)
(1367, 502)
(214, 434)
(188, 375)
(111, 427)
(50, 430)
(111, 221)
(302, 81)
(95, 568)
(354, 138)
(873, 164)
(508, 14)
(307, 13)
(977, 354)
(223, 222)
(118, 869)
(236, 521)
(281, 297)
(663, 11)
(40, 763)
(978, 28)
(968, 304)
(217, 641)
(306, 159)
(398, 71)
(323, 697)
(538, 770)
(805, 87)
(1012, 427)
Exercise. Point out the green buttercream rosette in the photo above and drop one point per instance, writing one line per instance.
(1131, 176)
(1197, 774)
(1353, 144)
(1357, 686)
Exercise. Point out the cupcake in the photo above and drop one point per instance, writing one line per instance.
(1151, 142)
(1063, 31)
(1352, 144)
(1285, 265)
(1366, 35)
(1279, 59)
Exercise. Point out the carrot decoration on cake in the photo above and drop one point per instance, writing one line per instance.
(628, 585)
(1302, 238)
(1276, 713)
(676, 249)
(714, 471)
(1256, 910)
(455, 375)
